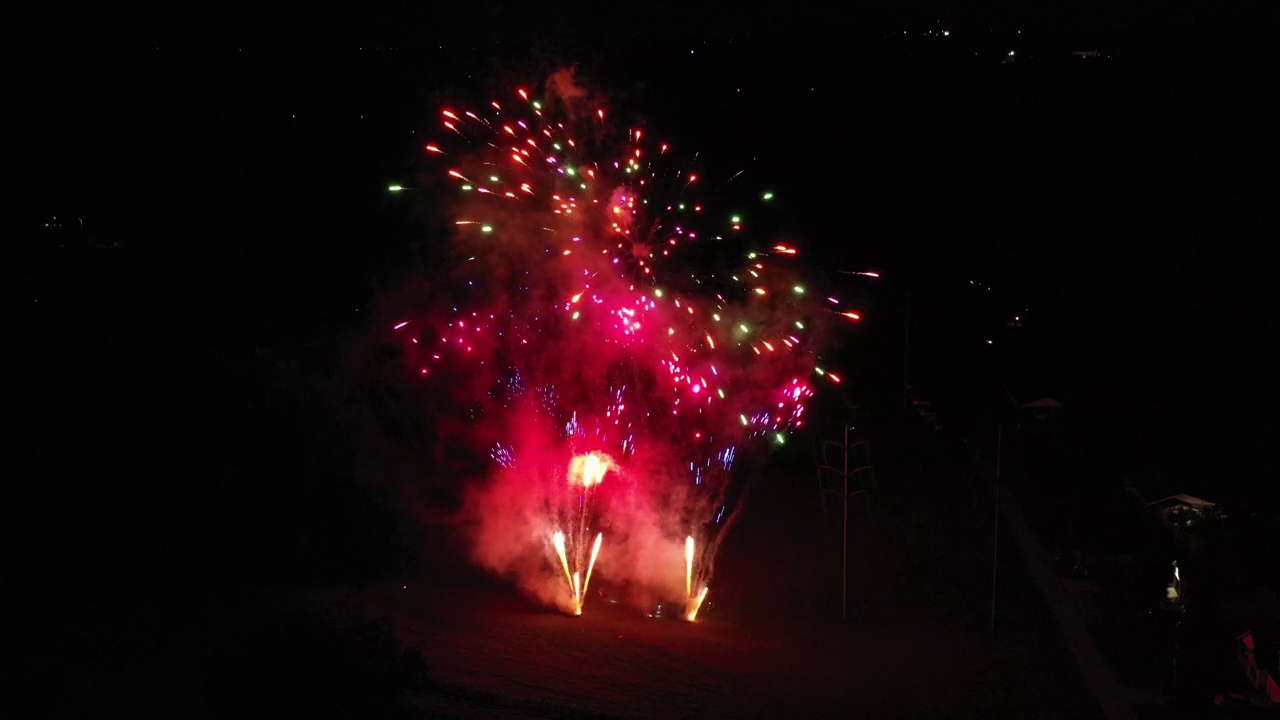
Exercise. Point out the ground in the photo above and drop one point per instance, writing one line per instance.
(918, 642)
(495, 656)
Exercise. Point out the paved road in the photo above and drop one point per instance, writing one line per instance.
(1117, 701)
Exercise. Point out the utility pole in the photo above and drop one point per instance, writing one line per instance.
(845, 473)
(906, 354)
(995, 534)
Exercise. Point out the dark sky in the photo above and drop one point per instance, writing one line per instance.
(1128, 200)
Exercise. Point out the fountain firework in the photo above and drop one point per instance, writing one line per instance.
(587, 472)
(694, 602)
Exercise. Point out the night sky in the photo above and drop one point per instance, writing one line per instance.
(1124, 204)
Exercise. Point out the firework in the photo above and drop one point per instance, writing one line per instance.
(598, 289)
(688, 566)
(595, 551)
(695, 604)
(585, 472)
(589, 469)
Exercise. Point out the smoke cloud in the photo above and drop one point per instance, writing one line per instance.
(593, 305)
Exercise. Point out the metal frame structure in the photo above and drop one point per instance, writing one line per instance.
(844, 472)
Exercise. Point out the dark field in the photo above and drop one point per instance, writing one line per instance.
(916, 644)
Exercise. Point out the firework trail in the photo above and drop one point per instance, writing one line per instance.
(586, 472)
(598, 308)
(694, 601)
